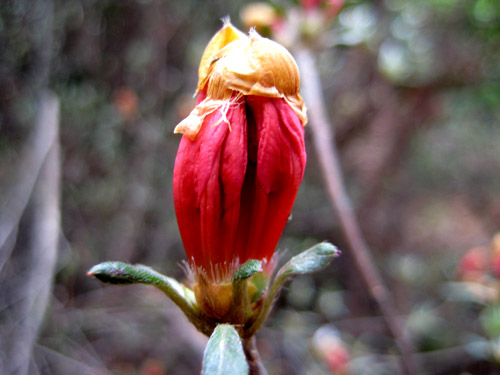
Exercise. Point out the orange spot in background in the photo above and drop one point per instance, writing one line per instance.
(126, 102)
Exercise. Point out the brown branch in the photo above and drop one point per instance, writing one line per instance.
(330, 166)
(253, 357)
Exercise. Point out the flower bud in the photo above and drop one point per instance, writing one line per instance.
(240, 161)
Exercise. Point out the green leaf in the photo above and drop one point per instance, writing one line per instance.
(224, 353)
(122, 273)
(248, 268)
(311, 260)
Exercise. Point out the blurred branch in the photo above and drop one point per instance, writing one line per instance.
(327, 155)
(41, 140)
(31, 282)
(63, 364)
(35, 154)
(27, 284)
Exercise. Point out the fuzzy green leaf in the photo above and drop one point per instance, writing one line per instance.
(311, 260)
(224, 353)
(123, 273)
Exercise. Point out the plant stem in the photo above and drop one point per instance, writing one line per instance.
(330, 166)
(253, 357)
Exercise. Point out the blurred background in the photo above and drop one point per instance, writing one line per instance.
(90, 91)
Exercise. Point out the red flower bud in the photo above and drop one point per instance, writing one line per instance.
(242, 156)
(310, 4)
(474, 264)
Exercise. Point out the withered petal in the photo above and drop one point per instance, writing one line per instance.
(249, 65)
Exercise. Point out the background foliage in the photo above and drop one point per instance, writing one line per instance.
(413, 90)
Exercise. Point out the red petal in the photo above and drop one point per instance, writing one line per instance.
(234, 187)
(272, 183)
(208, 176)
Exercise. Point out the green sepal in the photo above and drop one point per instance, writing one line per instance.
(224, 353)
(122, 273)
(259, 281)
(249, 268)
(241, 310)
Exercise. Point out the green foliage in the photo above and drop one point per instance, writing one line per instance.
(122, 273)
(311, 260)
(224, 353)
(490, 320)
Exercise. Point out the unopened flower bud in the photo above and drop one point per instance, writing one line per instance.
(240, 161)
